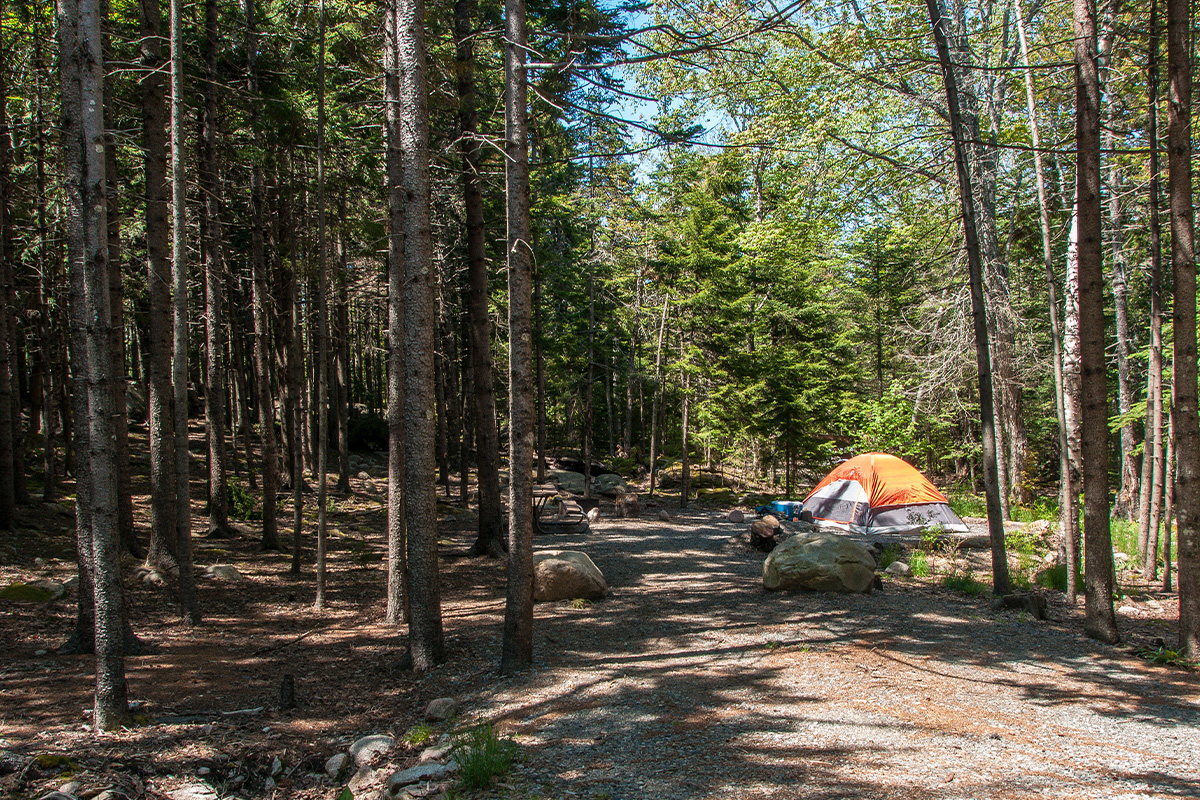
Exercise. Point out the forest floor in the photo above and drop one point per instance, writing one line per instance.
(687, 681)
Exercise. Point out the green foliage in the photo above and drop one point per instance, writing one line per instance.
(965, 584)
(418, 735)
(1042, 508)
(482, 756)
(1056, 578)
(890, 554)
(242, 503)
(967, 504)
(1020, 541)
(580, 603)
(24, 593)
(918, 562)
(1124, 536)
(1161, 655)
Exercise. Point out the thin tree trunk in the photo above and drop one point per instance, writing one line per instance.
(517, 644)
(179, 321)
(1000, 582)
(685, 473)
(214, 289)
(8, 420)
(164, 542)
(1183, 264)
(657, 399)
(341, 365)
(490, 538)
(322, 324)
(397, 592)
(1100, 621)
(1150, 501)
(1169, 502)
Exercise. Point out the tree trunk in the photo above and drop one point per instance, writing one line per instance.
(1100, 621)
(517, 645)
(685, 473)
(1169, 501)
(425, 638)
(1067, 518)
(341, 363)
(1183, 266)
(1150, 500)
(214, 289)
(1072, 403)
(84, 137)
(397, 586)
(179, 321)
(1000, 582)
(8, 420)
(657, 399)
(164, 543)
(490, 539)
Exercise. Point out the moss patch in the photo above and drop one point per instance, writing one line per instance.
(24, 593)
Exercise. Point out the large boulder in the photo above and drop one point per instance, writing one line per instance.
(610, 485)
(820, 561)
(628, 506)
(566, 575)
(566, 481)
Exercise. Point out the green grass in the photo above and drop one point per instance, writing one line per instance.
(482, 756)
(1056, 578)
(918, 562)
(967, 504)
(418, 735)
(966, 584)
(1162, 655)
(890, 554)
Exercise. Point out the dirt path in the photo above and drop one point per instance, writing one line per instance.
(690, 681)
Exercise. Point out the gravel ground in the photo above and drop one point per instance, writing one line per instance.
(691, 681)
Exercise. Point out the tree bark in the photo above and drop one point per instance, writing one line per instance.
(8, 420)
(517, 645)
(322, 325)
(397, 586)
(657, 399)
(490, 539)
(1183, 267)
(426, 643)
(179, 307)
(1000, 582)
(164, 542)
(1100, 621)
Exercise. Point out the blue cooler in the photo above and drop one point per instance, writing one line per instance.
(785, 509)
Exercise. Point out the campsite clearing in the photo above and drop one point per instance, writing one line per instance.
(688, 681)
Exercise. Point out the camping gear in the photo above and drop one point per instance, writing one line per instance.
(880, 493)
(782, 509)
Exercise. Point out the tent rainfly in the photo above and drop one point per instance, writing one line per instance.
(879, 493)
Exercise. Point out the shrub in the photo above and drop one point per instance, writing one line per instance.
(481, 756)
(1056, 578)
(967, 504)
(242, 503)
(965, 584)
(918, 562)
(890, 555)
(418, 735)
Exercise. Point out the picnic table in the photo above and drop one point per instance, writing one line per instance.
(571, 517)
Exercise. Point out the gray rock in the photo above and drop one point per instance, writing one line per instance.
(107, 794)
(362, 779)
(11, 762)
(820, 561)
(276, 767)
(898, 569)
(567, 481)
(438, 752)
(566, 575)
(610, 485)
(593, 514)
(441, 709)
(71, 787)
(203, 771)
(192, 791)
(57, 590)
(363, 476)
(224, 572)
(430, 771)
(663, 516)
(71, 583)
(64, 796)
(1041, 530)
(365, 749)
(336, 766)
(736, 516)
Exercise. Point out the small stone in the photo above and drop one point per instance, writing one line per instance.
(431, 771)
(1128, 611)
(898, 569)
(736, 516)
(363, 476)
(441, 709)
(224, 572)
(269, 785)
(40, 562)
(57, 590)
(1120, 557)
(593, 514)
(365, 749)
(336, 766)
(362, 779)
(203, 771)
(664, 516)
(107, 794)
(436, 753)
(193, 791)
(41, 652)
(71, 787)
(276, 767)
(60, 796)
(71, 582)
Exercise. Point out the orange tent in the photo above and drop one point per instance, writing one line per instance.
(879, 493)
